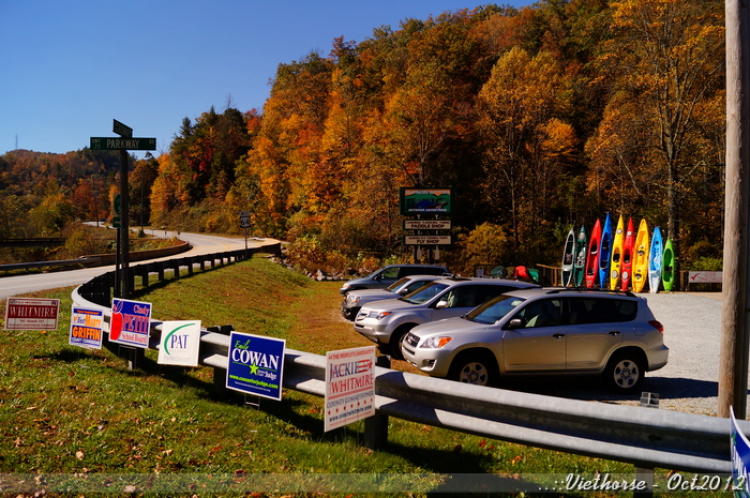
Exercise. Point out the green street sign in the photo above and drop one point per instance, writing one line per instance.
(112, 143)
(122, 129)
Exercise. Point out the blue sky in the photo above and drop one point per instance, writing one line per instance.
(68, 68)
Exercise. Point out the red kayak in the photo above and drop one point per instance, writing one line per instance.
(592, 258)
(626, 270)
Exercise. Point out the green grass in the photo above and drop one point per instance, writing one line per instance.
(66, 410)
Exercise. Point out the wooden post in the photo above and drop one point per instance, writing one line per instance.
(734, 338)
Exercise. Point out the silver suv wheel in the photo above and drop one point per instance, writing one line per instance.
(625, 372)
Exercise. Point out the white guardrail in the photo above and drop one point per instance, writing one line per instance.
(645, 437)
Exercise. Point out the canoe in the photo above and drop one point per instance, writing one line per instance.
(618, 239)
(579, 265)
(667, 266)
(605, 252)
(567, 258)
(592, 257)
(654, 261)
(640, 257)
(627, 257)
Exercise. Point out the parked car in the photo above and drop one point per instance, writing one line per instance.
(382, 278)
(387, 322)
(354, 300)
(544, 331)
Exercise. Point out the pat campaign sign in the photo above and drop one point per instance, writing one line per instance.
(350, 386)
(130, 323)
(86, 328)
(256, 364)
(180, 343)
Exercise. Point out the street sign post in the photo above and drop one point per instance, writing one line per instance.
(114, 143)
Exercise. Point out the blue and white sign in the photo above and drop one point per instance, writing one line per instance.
(130, 323)
(86, 328)
(740, 459)
(256, 364)
(180, 343)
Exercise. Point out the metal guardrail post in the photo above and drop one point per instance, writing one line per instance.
(376, 427)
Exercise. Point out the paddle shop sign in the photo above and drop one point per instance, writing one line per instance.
(23, 313)
(350, 386)
(86, 328)
(256, 364)
(130, 323)
(180, 343)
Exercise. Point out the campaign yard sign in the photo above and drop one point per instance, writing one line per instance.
(350, 386)
(256, 364)
(86, 328)
(130, 323)
(740, 459)
(180, 343)
(23, 313)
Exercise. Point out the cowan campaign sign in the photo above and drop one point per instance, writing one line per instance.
(180, 343)
(256, 364)
(740, 459)
(350, 386)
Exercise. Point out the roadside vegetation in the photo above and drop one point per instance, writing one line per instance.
(66, 410)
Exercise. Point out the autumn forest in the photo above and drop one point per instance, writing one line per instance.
(538, 119)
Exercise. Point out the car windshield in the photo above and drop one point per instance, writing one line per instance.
(424, 294)
(494, 309)
(398, 283)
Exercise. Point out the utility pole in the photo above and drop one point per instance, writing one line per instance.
(733, 364)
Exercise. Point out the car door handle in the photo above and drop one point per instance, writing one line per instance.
(558, 335)
(614, 332)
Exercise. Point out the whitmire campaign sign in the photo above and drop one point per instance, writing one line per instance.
(30, 313)
(86, 328)
(740, 459)
(256, 364)
(180, 343)
(130, 323)
(350, 386)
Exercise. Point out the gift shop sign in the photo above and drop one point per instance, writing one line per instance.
(130, 323)
(256, 364)
(86, 328)
(31, 314)
(350, 386)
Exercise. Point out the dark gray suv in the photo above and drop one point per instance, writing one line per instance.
(382, 278)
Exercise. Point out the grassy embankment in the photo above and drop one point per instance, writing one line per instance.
(68, 410)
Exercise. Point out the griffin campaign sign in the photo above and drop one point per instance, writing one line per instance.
(350, 386)
(256, 364)
(31, 313)
(130, 323)
(180, 343)
(86, 328)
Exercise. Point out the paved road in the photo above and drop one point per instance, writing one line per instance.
(202, 244)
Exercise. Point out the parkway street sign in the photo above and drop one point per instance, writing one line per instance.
(112, 143)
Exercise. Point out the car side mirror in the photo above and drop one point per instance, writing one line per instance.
(440, 305)
(403, 291)
(516, 323)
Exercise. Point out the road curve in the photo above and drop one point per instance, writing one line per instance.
(202, 244)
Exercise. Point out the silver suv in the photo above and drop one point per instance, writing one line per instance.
(354, 300)
(387, 322)
(544, 331)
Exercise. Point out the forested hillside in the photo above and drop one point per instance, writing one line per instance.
(538, 119)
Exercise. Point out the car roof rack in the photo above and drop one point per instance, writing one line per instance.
(557, 290)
